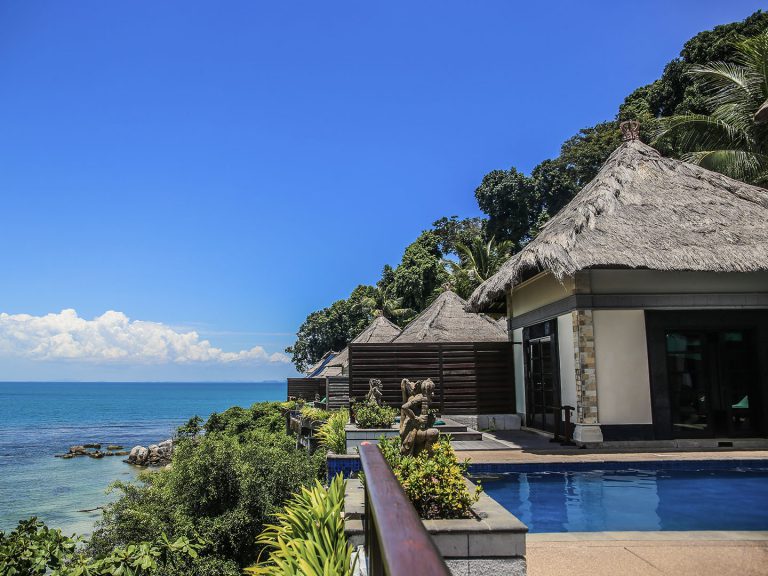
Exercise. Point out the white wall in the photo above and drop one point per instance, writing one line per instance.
(567, 360)
(517, 336)
(621, 355)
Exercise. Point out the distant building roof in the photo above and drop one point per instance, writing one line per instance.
(379, 331)
(447, 320)
(314, 372)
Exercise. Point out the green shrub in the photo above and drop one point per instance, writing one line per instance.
(315, 414)
(332, 435)
(224, 486)
(33, 549)
(309, 538)
(433, 480)
(370, 415)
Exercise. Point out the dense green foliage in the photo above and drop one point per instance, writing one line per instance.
(517, 205)
(33, 549)
(433, 480)
(308, 538)
(332, 434)
(223, 487)
(731, 139)
(371, 415)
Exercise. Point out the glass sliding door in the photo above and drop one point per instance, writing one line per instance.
(711, 374)
(689, 384)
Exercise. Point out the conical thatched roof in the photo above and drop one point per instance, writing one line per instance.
(447, 320)
(646, 211)
(379, 331)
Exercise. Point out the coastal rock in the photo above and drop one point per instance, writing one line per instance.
(155, 455)
(114, 447)
(78, 450)
(94, 446)
(96, 454)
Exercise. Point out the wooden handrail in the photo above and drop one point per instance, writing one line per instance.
(396, 542)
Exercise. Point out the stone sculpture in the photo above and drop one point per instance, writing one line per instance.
(416, 421)
(374, 393)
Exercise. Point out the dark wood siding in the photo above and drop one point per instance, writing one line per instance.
(306, 388)
(470, 378)
(338, 392)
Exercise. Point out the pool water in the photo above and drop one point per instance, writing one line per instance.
(617, 500)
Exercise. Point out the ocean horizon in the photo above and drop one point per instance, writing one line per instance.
(41, 419)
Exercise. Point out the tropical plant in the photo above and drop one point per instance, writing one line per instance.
(371, 415)
(733, 138)
(191, 429)
(315, 414)
(433, 480)
(33, 549)
(308, 538)
(381, 303)
(225, 487)
(478, 261)
(332, 434)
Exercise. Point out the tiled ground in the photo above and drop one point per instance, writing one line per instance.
(651, 554)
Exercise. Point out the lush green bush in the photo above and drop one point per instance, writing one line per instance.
(371, 415)
(315, 414)
(332, 435)
(309, 538)
(223, 485)
(433, 480)
(33, 549)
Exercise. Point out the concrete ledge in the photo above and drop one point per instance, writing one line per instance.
(494, 532)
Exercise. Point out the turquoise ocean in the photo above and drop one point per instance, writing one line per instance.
(41, 419)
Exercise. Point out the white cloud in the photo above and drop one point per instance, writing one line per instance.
(114, 338)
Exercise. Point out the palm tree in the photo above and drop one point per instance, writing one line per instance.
(380, 303)
(733, 139)
(478, 261)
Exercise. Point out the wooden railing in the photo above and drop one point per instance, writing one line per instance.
(396, 542)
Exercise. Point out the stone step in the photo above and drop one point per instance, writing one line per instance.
(469, 435)
(452, 428)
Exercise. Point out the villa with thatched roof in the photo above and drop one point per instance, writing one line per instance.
(643, 304)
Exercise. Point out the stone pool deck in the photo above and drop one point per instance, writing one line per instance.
(526, 447)
(648, 554)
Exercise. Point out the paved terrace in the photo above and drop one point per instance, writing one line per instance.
(627, 553)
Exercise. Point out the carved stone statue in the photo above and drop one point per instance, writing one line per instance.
(374, 393)
(416, 422)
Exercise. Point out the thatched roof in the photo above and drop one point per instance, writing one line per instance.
(646, 211)
(447, 320)
(379, 331)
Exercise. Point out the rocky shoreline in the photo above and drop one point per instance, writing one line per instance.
(153, 455)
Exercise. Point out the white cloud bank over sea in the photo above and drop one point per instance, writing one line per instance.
(113, 338)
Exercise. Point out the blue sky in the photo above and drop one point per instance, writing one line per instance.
(187, 180)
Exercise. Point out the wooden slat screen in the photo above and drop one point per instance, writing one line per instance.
(338, 392)
(469, 377)
(306, 388)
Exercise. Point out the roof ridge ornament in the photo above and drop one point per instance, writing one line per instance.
(630, 130)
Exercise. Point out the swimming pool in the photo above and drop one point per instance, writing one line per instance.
(618, 500)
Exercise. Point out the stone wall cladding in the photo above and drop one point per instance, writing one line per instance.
(586, 376)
